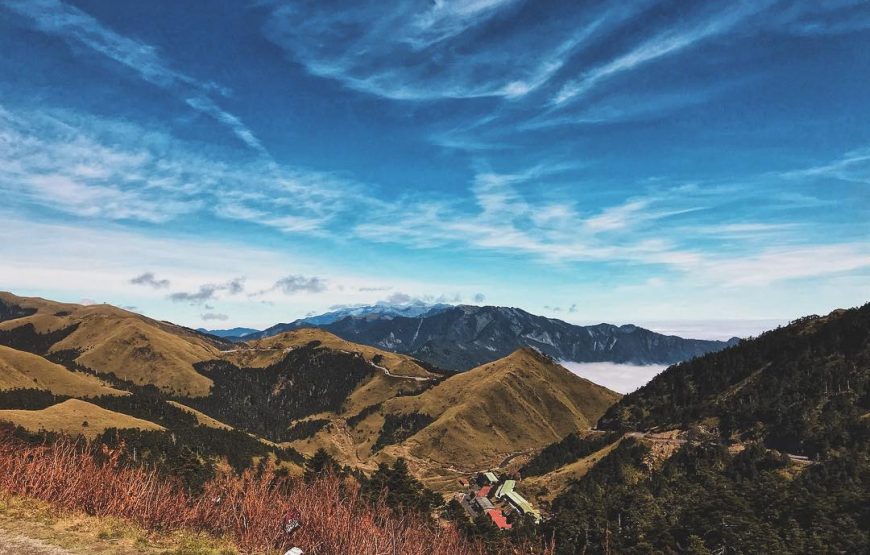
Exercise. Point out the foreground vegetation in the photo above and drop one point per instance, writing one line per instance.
(248, 509)
(31, 523)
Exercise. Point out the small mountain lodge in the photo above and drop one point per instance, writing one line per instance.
(499, 519)
(497, 498)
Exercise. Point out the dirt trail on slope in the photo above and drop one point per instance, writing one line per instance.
(16, 544)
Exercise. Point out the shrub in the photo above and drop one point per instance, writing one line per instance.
(247, 508)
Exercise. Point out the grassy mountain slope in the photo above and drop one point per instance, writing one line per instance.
(109, 340)
(523, 401)
(74, 417)
(23, 370)
(547, 486)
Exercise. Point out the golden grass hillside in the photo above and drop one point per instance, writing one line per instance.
(22, 370)
(70, 416)
(521, 402)
(129, 345)
(266, 351)
(201, 418)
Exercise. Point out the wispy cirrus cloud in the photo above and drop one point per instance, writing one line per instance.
(545, 66)
(508, 220)
(809, 18)
(790, 262)
(84, 33)
(99, 168)
(668, 42)
(669, 226)
(423, 50)
(853, 167)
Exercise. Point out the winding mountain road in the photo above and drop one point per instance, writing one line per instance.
(391, 375)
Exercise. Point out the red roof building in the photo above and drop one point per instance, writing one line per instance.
(498, 519)
(484, 491)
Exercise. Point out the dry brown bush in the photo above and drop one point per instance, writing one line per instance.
(248, 508)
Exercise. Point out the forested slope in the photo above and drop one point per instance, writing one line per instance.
(732, 483)
(802, 388)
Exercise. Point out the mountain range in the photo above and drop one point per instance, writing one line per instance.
(763, 445)
(305, 389)
(462, 337)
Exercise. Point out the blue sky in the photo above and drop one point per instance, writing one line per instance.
(226, 163)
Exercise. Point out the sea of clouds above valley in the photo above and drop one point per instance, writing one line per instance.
(623, 378)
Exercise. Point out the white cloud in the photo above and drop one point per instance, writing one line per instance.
(622, 378)
(664, 44)
(149, 279)
(409, 51)
(104, 169)
(81, 30)
(209, 316)
(300, 284)
(784, 263)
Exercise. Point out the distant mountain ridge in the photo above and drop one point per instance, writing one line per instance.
(376, 311)
(463, 337)
(232, 332)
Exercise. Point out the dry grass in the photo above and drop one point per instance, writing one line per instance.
(247, 509)
(80, 533)
(22, 370)
(201, 418)
(127, 344)
(398, 364)
(70, 417)
(517, 403)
